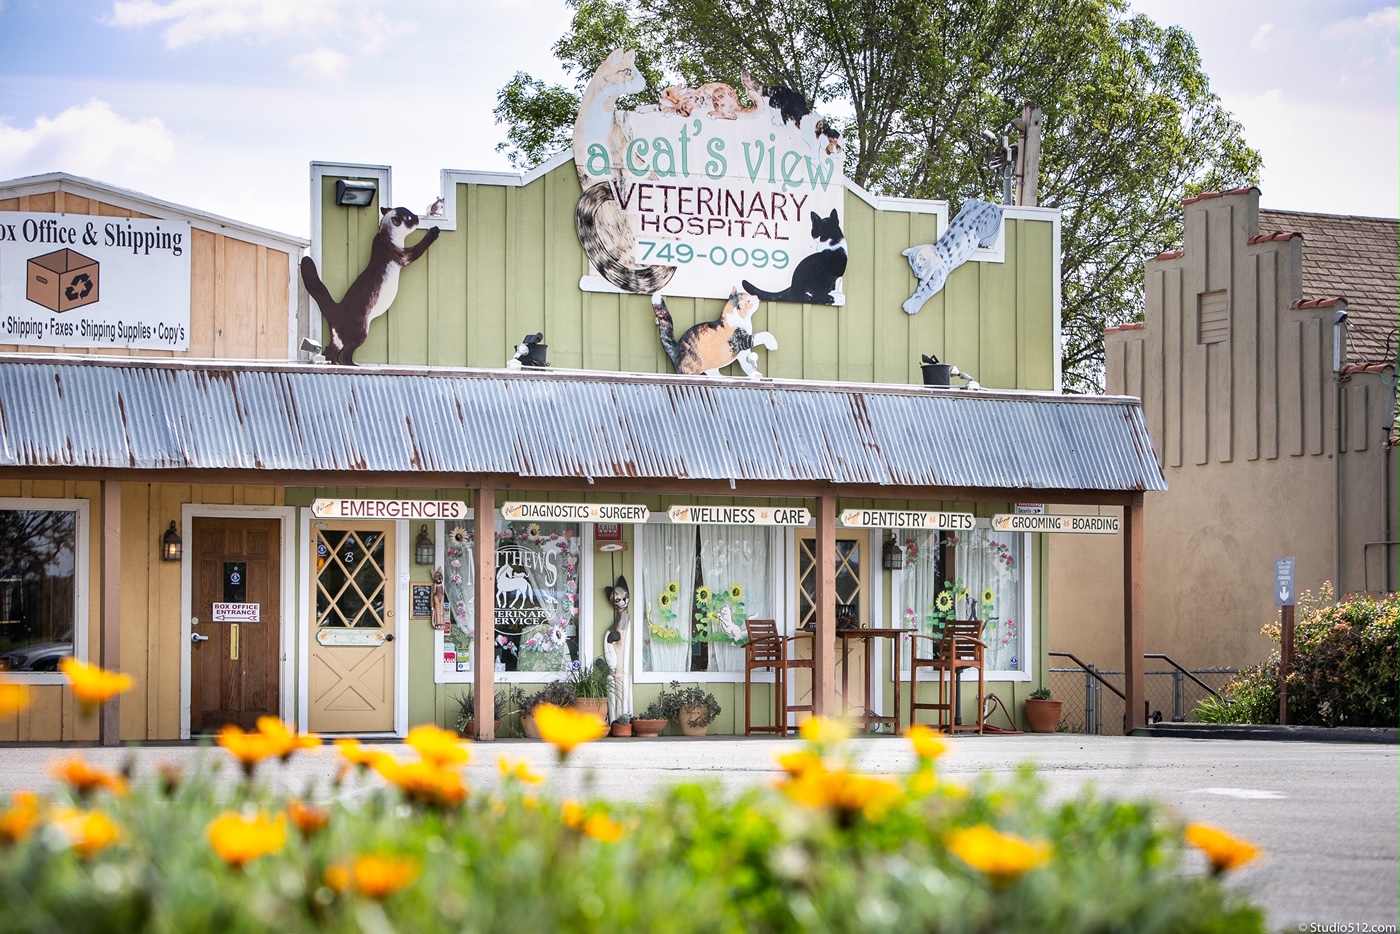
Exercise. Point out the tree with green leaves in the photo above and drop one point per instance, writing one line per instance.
(1131, 125)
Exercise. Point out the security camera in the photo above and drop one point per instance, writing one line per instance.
(1339, 317)
(310, 346)
(989, 137)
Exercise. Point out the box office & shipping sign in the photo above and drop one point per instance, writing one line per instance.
(77, 280)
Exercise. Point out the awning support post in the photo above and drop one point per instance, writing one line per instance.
(484, 625)
(1134, 674)
(824, 650)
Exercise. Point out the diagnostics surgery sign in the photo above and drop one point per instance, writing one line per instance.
(76, 280)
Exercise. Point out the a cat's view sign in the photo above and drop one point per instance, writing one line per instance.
(698, 193)
(77, 280)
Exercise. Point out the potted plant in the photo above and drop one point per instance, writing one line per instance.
(506, 699)
(1042, 713)
(591, 685)
(649, 722)
(558, 693)
(622, 725)
(692, 708)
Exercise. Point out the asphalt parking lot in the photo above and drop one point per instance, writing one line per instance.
(1327, 815)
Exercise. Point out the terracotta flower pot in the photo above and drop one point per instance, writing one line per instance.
(527, 723)
(597, 706)
(648, 728)
(469, 731)
(621, 729)
(693, 713)
(1042, 716)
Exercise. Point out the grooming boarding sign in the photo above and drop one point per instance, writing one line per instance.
(77, 280)
(717, 192)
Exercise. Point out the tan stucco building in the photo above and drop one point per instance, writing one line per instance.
(1266, 362)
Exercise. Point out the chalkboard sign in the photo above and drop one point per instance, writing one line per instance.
(422, 601)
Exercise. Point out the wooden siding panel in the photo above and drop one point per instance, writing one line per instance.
(486, 285)
(564, 321)
(998, 364)
(135, 636)
(891, 352)
(1035, 296)
(856, 319)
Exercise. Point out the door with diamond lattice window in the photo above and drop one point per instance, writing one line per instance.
(351, 655)
(852, 601)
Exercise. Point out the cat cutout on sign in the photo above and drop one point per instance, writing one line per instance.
(373, 290)
(814, 279)
(712, 345)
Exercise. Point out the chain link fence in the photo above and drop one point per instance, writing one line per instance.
(1088, 705)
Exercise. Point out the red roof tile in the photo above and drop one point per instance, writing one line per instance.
(1129, 326)
(1216, 194)
(1169, 254)
(1317, 302)
(1276, 235)
(1357, 258)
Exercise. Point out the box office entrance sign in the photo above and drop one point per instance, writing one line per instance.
(77, 280)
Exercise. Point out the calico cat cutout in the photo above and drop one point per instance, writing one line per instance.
(603, 230)
(789, 106)
(373, 290)
(814, 278)
(975, 226)
(616, 648)
(712, 345)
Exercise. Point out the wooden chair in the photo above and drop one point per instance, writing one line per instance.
(767, 648)
(959, 647)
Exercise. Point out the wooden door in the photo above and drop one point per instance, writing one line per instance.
(351, 655)
(236, 624)
(853, 556)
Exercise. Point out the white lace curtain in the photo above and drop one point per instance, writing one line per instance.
(989, 565)
(735, 556)
(666, 594)
(923, 563)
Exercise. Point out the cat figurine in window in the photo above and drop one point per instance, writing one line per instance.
(712, 345)
(617, 648)
(814, 278)
(373, 290)
(976, 225)
(603, 230)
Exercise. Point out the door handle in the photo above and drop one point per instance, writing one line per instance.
(389, 637)
(196, 637)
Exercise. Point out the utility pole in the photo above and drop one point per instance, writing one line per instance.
(1028, 155)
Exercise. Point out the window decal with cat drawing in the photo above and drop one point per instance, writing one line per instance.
(702, 189)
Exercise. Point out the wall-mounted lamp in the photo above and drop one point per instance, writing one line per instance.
(355, 192)
(424, 552)
(170, 545)
(893, 555)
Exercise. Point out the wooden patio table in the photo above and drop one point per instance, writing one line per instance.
(868, 636)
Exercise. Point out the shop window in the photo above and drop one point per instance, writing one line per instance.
(697, 586)
(40, 567)
(980, 575)
(536, 587)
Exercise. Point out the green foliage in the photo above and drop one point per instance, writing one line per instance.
(690, 858)
(506, 699)
(558, 693)
(1346, 668)
(1040, 694)
(1131, 125)
(653, 712)
(674, 699)
(591, 681)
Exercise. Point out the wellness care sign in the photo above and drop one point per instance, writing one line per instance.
(76, 280)
(697, 194)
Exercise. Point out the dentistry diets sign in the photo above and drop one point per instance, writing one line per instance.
(698, 194)
(75, 280)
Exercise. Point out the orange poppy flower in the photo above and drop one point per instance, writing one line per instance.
(378, 877)
(1224, 851)
(1002, 857)
(438, 746)
(13, 697)
(93, 686)
(519, 771)
(308, 818)
(248, 748)
(283, 741)
(84, 779)
(239, 840)
(20, 818)
(88, 832)
(927, 742)
(566, 729)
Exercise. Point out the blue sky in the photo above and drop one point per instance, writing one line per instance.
(222, 104)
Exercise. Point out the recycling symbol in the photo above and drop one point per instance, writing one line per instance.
(73, 293)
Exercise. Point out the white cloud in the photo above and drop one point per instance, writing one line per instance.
(329, 63)
(187, 22)
(86, 139)
(1376, 32)
(1260, 42)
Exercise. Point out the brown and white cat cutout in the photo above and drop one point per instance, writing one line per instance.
(710, 346)
(373, 290)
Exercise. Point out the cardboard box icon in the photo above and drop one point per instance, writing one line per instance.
(62, 280)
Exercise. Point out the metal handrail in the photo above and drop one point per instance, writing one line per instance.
(1173, 662)
(1093, 672)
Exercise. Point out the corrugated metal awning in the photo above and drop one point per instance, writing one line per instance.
(155, 414)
